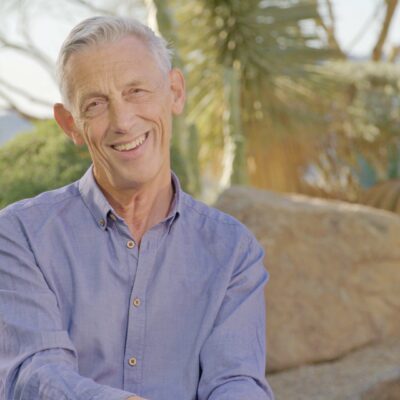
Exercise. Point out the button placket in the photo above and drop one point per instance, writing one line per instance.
(136, 320)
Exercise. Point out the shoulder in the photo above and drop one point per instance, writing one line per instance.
(230, 244)
(40, 207)
(214, 222)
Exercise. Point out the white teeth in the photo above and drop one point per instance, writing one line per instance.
(131, 145)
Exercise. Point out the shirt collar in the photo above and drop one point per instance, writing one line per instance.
(101, 209)
(176, 205)
(94, 199)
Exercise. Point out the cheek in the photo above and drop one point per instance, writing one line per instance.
(165, 116)
(94, 130)
(164, 123)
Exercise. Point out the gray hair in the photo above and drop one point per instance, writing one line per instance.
(106, 29)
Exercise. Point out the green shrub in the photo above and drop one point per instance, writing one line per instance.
(40, 160)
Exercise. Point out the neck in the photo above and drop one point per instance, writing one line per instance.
(144, 206)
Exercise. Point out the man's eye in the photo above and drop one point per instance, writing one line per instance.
(92, 105)
(95, 107)
(136, 91)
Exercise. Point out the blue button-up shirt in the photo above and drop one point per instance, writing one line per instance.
(87, 314)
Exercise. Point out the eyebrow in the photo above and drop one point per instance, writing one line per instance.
(136, 82)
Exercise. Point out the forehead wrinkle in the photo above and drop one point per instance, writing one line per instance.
(97, 81)
(117, 73)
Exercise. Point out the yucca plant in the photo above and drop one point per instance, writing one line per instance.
(250, 65)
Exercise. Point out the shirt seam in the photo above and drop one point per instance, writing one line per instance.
(234, 222)
(21, 207)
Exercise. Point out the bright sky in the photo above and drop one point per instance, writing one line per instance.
(352, 16)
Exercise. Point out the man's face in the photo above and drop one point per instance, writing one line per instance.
(122, 106)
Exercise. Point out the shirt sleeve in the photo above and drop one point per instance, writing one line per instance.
(233, 357)
(37, 358)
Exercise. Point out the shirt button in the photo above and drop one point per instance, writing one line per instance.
(130, 244)
(136, 302)
(102, 222)
(132, 361)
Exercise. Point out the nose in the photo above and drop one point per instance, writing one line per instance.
(122, 116)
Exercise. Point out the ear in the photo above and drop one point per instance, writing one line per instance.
(66, 122)
(178, 90)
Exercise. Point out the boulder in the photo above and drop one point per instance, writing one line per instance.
(334, 273)
(387, 390)
(372, 373)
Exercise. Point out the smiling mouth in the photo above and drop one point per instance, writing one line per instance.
(131, 145)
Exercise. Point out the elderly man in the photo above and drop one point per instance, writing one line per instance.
(121, 285)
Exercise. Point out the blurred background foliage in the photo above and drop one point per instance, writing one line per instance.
(40, 160)
(273, 101)
(360, 144)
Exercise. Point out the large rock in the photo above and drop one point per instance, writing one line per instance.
(334, 273)
(386, 390)
(372, 373)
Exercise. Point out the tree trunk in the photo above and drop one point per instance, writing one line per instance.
(390, 9)
(330, 30)
(234, 158)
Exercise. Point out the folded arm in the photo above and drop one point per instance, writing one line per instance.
(233, 356)
(37, 357)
